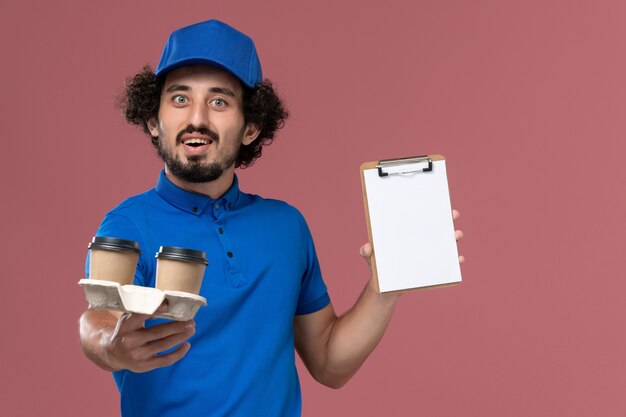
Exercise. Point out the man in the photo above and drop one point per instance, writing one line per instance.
(208, 111)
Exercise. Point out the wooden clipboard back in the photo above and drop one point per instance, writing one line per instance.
(374, 165)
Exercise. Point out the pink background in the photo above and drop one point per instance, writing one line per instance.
(526, 99)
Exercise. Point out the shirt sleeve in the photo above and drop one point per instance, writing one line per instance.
(121, 227)
(313, 292)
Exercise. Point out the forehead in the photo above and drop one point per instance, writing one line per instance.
(202, 77)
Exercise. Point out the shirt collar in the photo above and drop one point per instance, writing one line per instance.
(192, 202)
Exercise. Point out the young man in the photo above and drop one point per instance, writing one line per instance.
(209, 111)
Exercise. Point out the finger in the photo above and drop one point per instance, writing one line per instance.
(455, 214)
(162, 309)
(461, 259)
(141, 337)
(118, 326)
(458, 234)
(129, 322)
(170, 358)
(366, 250)
(163, 330)
(166, 343)
(366, 253)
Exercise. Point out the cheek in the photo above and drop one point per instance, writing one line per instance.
(169, 120)
(167, 129)
(235, 125)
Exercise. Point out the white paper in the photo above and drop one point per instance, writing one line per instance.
(412, 229)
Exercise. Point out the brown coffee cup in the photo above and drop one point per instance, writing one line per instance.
(112, 259)
(180, 269)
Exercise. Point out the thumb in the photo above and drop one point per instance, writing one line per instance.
(366, 253)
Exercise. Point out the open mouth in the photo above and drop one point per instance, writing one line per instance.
(197, 142)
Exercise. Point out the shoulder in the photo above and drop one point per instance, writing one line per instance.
(272, 212)
(275, 208)
(123, 219)
(133, 204)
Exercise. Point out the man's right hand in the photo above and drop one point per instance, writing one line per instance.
(126, 344)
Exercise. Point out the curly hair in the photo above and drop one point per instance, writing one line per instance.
(140, 101)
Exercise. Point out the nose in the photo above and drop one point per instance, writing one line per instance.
(199, 114)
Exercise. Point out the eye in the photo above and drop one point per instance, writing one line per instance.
(180, 99)
(218, 102)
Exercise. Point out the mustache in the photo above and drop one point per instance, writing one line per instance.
(203, 130)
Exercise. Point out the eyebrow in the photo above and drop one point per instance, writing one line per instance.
(219, 90)
(177, 87)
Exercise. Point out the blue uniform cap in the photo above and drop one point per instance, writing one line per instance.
(212, 43)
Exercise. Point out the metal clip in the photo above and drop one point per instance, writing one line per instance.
(399, 166)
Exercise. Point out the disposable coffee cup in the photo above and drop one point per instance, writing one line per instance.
(112, 259)
(180, 269)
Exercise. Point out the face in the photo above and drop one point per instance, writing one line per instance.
(201, 125)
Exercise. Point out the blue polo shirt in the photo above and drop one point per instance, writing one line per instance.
(262, 271)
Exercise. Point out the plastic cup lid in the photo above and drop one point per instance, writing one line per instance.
(112, 243)
(181, 254)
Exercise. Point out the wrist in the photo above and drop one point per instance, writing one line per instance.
(387, 298)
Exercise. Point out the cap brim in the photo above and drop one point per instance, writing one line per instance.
(198, 61)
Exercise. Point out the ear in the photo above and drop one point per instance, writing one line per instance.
(153, 127)
(250, 134)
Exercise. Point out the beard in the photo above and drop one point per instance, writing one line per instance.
(194, 170)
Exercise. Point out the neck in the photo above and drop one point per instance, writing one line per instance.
(214, 189)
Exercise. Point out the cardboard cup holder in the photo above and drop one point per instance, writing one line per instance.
(109, 295)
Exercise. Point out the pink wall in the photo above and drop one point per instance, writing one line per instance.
(525, 98)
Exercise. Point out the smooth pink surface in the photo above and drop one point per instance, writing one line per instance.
(526, 99)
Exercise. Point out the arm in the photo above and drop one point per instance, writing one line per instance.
(334, 348)
(114, 341)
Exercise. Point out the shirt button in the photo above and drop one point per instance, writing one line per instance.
(221, 231)
(230, 254)
(217, 206)
(195, 209)
(229, 205)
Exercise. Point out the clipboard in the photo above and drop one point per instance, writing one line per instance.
(409, 223)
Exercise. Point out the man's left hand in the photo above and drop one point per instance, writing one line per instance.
(366, 250)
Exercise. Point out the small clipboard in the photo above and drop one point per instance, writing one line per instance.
(409, 223)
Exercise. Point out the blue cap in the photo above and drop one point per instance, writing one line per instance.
(212, 43)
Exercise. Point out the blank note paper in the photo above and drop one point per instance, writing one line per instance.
(411, 228)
